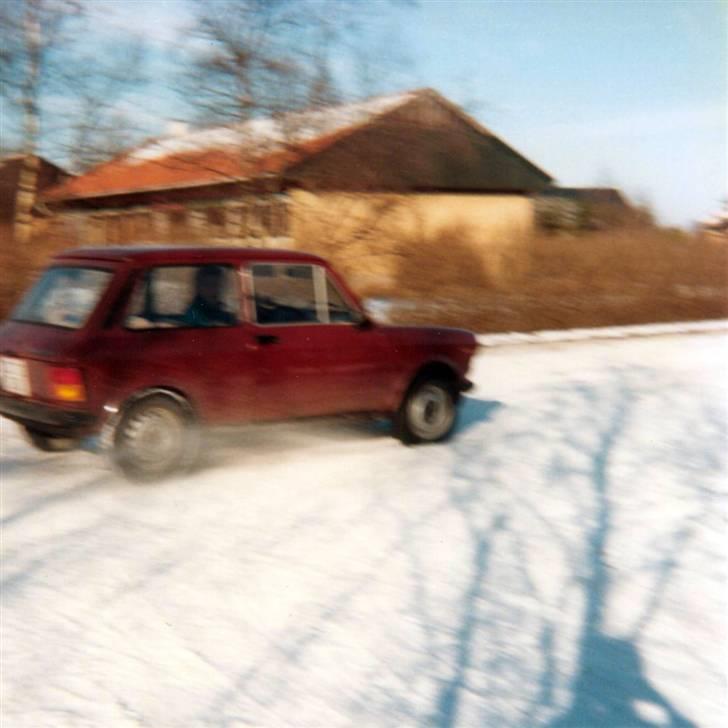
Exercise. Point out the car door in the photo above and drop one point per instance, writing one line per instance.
(284, 334)
(307, 363)
(161, 341)
(358, 363)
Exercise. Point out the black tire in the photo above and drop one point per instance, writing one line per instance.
(155, 438)
(49, 443)
(428, 412)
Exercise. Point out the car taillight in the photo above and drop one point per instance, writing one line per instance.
(66, 384)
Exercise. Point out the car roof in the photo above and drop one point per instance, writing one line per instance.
(186, 254)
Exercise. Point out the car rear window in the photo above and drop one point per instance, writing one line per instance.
(64, 296)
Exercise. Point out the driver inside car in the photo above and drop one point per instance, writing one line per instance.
(207, 307)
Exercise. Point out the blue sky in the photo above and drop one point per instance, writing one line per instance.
(631, 94)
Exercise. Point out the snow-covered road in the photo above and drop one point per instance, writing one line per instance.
(559, 563)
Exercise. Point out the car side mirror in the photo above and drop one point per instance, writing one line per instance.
(364, 322)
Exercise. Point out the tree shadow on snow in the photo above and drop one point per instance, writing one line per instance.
(272, 440)
(610, 688)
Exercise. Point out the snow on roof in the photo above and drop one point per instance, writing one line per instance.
(716, 221)
(225, 153)
(270, 134)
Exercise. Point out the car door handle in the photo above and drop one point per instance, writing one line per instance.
(267, 339)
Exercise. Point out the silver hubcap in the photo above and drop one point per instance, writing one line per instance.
(430, 412)
(153, 438)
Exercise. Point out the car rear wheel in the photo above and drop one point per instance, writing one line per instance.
(49, 443)
(427, 413)
(155, 438)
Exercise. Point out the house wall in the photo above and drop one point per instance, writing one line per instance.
(365, 233)
(10, 168)
(246, 220)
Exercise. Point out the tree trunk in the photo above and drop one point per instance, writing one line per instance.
(28, 181)
(25, 199)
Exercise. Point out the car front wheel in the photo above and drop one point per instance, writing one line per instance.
(427, 413)
(154, 438)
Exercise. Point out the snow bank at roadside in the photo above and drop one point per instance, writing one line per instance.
(608, 332)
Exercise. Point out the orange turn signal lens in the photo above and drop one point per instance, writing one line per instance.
(66, 384)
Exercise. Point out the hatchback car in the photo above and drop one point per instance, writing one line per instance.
(139, 348)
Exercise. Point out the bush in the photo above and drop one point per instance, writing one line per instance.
(618, 277)
(20, 265)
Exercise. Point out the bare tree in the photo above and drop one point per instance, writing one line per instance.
(33, 33)
(323, 90)
(56, 86)
(98, 127)
(254, 58)
(246, 59)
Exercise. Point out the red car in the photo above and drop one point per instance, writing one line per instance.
(141, 347)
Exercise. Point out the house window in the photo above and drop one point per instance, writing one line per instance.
(269, 217)
(126, 228)
(143, 225)
(244, 221)
(254, 215)
(215, 217)
(177, 222)
(95, 230)
(265, 213)
(113, 229)
(278, 225)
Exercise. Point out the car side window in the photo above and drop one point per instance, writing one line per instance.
(184, 297)
(339, 310)
(284, 293)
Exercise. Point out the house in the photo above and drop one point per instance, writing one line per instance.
(361, 174)
(716, 226)
(48, 175)
(583, 207)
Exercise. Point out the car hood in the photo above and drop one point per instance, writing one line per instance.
(431, 335)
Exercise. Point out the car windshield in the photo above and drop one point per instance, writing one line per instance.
(64, 296)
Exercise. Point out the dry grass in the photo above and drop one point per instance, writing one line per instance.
(619, 277)
(21, 264)
(625, 276)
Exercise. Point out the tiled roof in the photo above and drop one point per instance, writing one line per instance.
(225, 154)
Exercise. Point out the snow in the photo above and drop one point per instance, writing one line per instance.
(264, 134)
(560, 562)
(602, 332)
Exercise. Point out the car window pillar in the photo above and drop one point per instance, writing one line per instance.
(319, 287)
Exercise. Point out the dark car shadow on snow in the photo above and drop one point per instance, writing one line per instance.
(225, 446)
(474, 411)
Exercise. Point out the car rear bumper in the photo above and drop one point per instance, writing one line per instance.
(47, 419)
